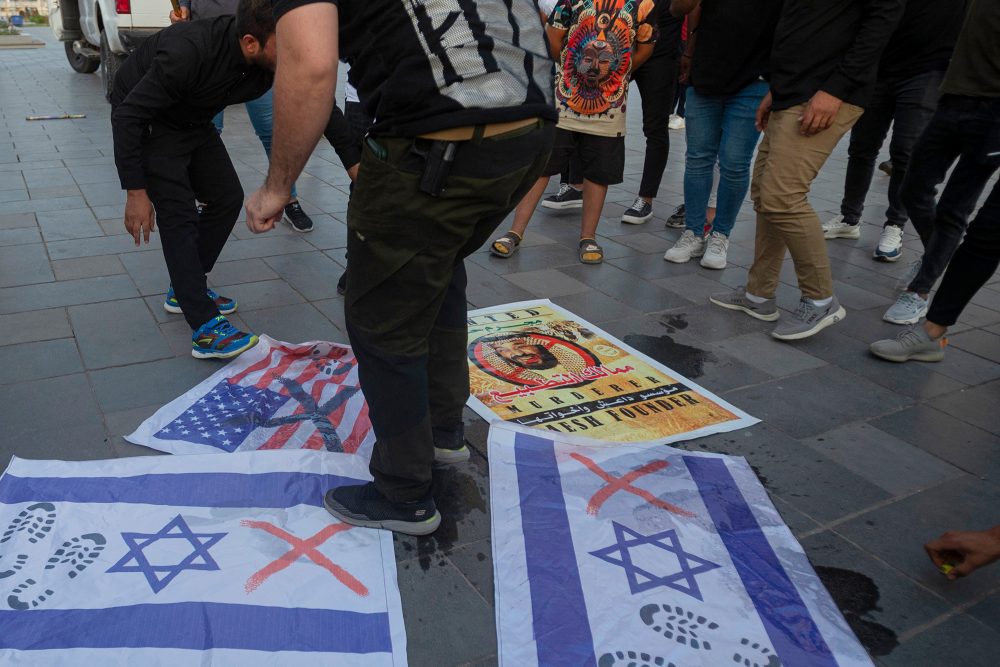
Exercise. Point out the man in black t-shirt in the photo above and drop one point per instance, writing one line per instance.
(462, 97)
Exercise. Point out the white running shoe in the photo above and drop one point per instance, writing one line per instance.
(908, 309)
(716, 248)
(687, 247)
(890, 244)
(676, 122)
(836, 228)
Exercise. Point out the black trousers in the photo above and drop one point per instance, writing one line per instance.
(962, 128)
(657, 82)
(974, 263)
(181, 166)
(907, 106)
(405, 304)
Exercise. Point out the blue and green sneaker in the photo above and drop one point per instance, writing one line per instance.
(218, 339)
(225, 305)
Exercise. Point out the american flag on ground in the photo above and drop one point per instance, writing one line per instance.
(275, 396)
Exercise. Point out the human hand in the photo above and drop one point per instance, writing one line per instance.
(763, 113)
(965, 551)
(264, 209)
(139, 216)
(179, 15)
(685, 68)
(820, 113)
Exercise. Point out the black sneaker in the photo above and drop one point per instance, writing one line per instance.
(676, 219)
(449, 445)
(567, 197)
(639, 212)
(363, 505)
(297, 218)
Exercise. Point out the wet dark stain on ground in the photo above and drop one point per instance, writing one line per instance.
(857, 595)
(763, 480)
(687, 360)
(675, 323)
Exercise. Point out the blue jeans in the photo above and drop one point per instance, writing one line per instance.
(719, 129)
(261, 112)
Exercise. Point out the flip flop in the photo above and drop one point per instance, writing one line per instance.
(590, 252)
(506, 245)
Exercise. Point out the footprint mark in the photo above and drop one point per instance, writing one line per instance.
(35, 520)
(632, 659)
(75, 555)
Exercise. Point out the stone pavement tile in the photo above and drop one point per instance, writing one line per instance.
(264, 246)
(759, 350)
(595, 306)
(967, 368)
(976, 406)
(987, 611)
(16, 220)
(100, 245)
(123, 422)
(797, 522)
(36, 360)
(333, 310)
(623, 286)
(961, 640)
(447, 620)
(987, 298)
(11, 180)
(914, 379)
(816, 401)
(488, 289)
(476, 562)
(877, 601)
(155, 303)
(710, 323)
(537, 258)
(87, 267)
(46, 204)
(103, 193)
(977, 316)
(34, 326)
(148, 271)
(653, 266)
(13, 195)
(52, 418)
(328, 233)
(117, 333)
(123, 448)
(33, 166)
(297, 323)
(147, 383)
(113, 211)
(240, 271)
(547, 283)
(24, 265)
(884, 460)
(979, 342)
(54, 191)
(262, 294)
(898, 531)
(83, 174)
(312, 274)
(48, 177)
(856, 298)
(695, 287)
(19, 236)
(947, 437)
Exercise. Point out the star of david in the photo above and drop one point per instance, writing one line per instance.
(177, 529)
(626, 538)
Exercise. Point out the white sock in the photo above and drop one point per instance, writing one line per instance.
(821, 302)
(754, 298)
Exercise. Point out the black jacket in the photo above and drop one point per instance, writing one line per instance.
(181, 77)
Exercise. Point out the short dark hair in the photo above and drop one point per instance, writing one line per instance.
(255, 17)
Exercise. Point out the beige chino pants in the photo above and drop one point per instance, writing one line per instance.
(787, 162)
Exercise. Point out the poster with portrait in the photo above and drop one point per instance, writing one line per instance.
(535, 364)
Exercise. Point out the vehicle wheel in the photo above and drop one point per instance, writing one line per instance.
(80, 63)
(110, 64)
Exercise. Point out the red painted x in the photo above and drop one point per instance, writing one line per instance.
(624, 483)
(305, 548)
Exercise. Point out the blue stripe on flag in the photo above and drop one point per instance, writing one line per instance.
(792, 630)
(199, 626)
(215, 489)
(559, 612)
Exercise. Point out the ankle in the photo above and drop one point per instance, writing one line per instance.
(934, 331)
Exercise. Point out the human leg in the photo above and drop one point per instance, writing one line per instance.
(866, 140)
(602, 162)
(657, 83)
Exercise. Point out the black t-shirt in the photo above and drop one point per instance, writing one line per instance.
(732, 44)
(975, 66)
(924, 40)
(668, 40)
(425, 66)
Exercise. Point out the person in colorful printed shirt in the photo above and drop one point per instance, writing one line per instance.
(596, 45)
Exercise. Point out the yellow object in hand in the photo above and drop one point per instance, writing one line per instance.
(947, 568)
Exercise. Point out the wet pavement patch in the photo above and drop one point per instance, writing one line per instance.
(687, 360)
(857, 595)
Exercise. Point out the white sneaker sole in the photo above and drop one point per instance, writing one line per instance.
(418, 528)
(832, 318)
(764, 317)
(715, 265)
(636, 219)
(678, 260)
(936, 355)
(841, 233)
(562, 205)
(909, 320)
(198, 354)
(450, 456)
(176, 310)
(886, 258)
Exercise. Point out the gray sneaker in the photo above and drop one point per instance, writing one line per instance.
(908, 309)
(737, 300)
(912, 343)
(809, 319)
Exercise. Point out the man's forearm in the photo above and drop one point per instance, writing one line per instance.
(304, 87)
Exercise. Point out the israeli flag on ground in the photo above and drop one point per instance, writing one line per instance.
(192, 560)
(615, 555)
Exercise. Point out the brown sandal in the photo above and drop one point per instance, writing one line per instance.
(506, 245)
(590, 252)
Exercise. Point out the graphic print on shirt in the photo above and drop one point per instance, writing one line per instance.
(593, 74)
(454, 36)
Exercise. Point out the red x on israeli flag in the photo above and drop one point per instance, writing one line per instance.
(624, 483)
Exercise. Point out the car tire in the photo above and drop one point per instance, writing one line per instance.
(110, 64)
(80, 63)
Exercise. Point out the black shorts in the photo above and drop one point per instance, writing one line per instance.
(601, 159)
